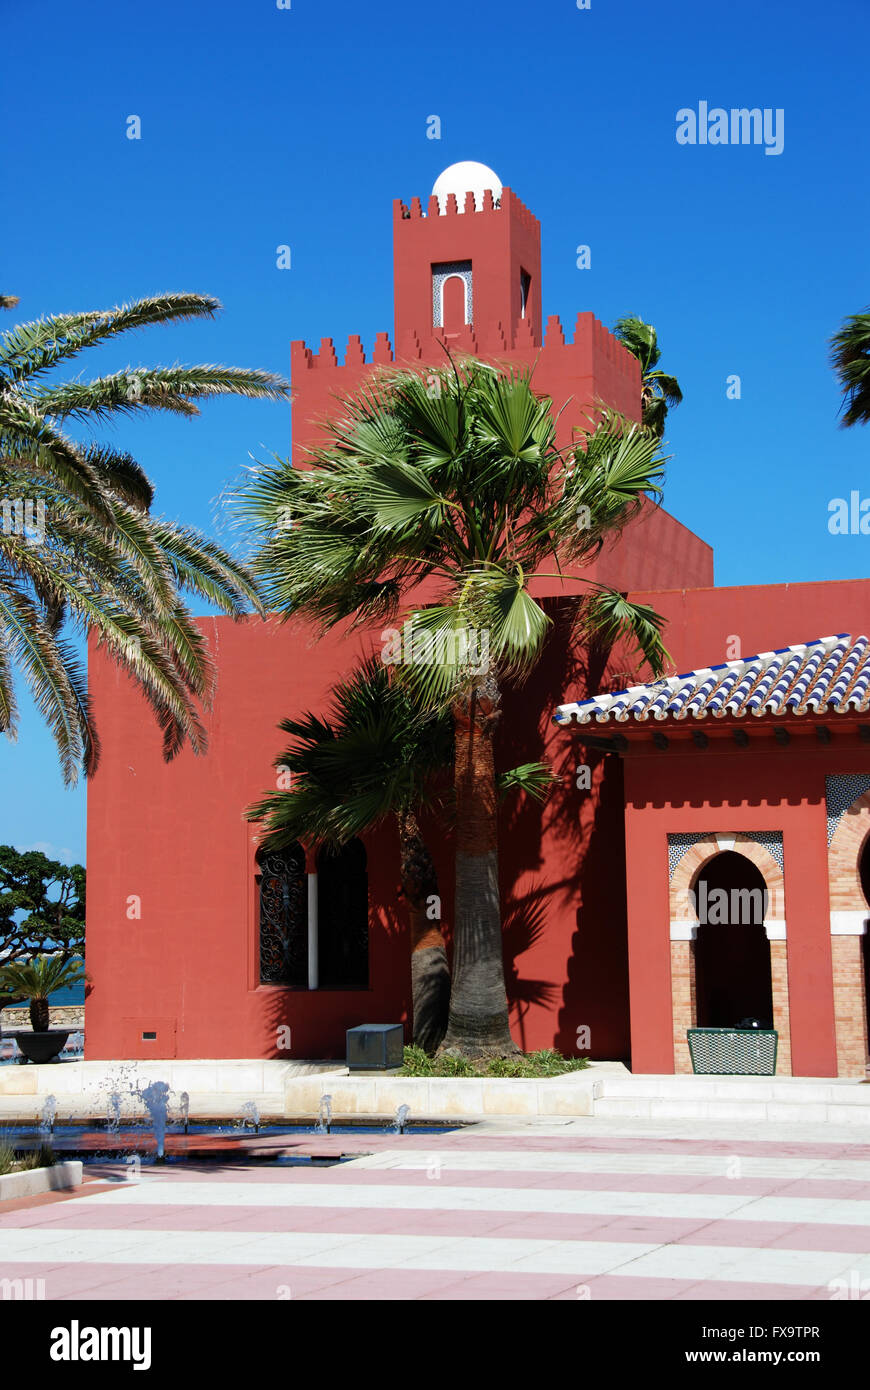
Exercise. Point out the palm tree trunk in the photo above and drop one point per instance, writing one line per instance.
(478, 1025)
(430, 973)
(39, 1015)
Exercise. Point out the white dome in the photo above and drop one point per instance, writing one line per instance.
(467, 176)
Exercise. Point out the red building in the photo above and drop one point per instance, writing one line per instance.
(192, 951)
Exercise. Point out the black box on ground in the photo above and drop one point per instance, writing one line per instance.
(375, 1046)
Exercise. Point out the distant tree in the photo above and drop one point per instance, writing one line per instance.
(37, 980)
(659, 391)
(850, 356)
(42, 906)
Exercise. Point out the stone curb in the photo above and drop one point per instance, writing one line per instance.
(35, 1181)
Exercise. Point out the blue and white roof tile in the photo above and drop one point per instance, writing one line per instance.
(830, 675)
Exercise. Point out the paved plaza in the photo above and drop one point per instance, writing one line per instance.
(583, 1209)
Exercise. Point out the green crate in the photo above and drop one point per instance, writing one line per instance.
(733, 1051)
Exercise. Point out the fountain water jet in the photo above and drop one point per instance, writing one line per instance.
(401, 1120)
(49, 1114)
(155, 1098)
(251, 1116)
(324, 1123)
(113, 1112)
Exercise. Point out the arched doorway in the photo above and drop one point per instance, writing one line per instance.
(732, 952)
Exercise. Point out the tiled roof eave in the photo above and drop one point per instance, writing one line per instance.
(825, 679)
(711, 724)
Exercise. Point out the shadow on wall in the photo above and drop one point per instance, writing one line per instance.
(570, 914)
(303, 1024)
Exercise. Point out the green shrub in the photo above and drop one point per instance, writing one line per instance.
(453, 1066)
(509, 1066)
(416, 1062)
(549, 1062)
(43, 1157)
(7, 1158)
(545, 1063)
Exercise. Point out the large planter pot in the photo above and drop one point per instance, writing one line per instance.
(42, 1047)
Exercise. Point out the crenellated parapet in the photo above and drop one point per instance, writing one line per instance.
(509, 204)
(490, 340)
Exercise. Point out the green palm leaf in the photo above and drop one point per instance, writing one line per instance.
(102, 562)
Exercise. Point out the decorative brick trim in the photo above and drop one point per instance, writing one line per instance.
(683, 1001)
(844, 855)
(779, 993)
(695, 856)
(850, 1005)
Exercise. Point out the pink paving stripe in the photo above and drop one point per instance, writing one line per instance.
(116, 1282)
(508, 1225)
(348, 1175)
(468, 1142)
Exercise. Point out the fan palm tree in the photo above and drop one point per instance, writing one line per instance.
(850, 356)
(77, 538)
(378, 755)
(36, 980)
(372, 758)
(457, 480)
(658, 390)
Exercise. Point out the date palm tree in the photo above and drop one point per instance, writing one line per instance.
(659, 391)
(36, 980)
(850, 356)
(79, 546)
(457, 481)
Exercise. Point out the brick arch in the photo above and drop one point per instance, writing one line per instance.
(697, 856)
(849, 915)
(844, 857)
(683, 993)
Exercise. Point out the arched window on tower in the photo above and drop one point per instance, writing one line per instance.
(283, 898)
(343, 917)
(459, 298)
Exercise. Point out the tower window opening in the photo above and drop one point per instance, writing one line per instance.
(442, 272)
(525, 288)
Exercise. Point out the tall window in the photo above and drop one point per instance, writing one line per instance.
(525, 290)
(445, 271)
(343, 917)
(283, 917)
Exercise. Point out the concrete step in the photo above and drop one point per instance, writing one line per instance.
(783, 1099)
(804, 1090)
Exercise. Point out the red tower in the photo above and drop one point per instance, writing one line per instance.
(470, 278)
(467, 276)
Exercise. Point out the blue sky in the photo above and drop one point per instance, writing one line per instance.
(263, 127)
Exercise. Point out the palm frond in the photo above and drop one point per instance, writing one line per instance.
(850, 358)
(532, 779)
(32, 348)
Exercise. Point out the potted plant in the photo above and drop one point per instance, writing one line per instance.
(35, 980)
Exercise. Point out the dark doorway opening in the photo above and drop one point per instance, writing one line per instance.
(732, 952)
